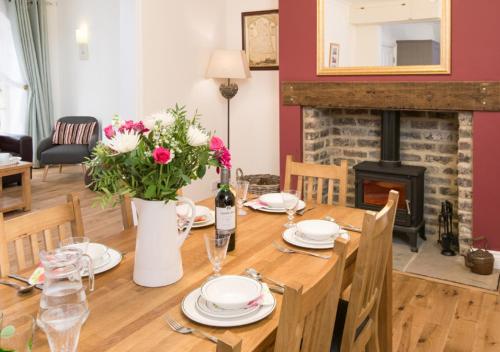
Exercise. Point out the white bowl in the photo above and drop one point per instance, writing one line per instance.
(231, 291)
(97, 252)
(318, 230)
(272, 200)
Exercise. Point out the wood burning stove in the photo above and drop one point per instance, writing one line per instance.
(374, 180)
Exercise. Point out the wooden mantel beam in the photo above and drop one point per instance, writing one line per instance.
(442, 96)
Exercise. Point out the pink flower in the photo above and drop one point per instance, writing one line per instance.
(109, 132)
(216, 144)
(133, 126)
(139, 127)
(127, 126)
(225, 158)
(162, 155)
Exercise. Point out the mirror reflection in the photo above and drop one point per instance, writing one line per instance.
(381, 33)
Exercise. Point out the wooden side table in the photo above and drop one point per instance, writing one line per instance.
(9, 203)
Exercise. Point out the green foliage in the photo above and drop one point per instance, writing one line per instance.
(136, 173)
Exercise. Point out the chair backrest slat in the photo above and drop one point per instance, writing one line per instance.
(49, 239)
(35, 247)
(371, 266)
(318, 171)
(29, 225)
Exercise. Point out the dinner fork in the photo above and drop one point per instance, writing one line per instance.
(289, 250)
(178, 327)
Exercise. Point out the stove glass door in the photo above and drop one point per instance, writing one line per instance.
(376, 192)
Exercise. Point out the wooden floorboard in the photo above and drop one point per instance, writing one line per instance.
(428, 315)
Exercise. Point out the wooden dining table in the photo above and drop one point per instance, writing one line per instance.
(127, 317)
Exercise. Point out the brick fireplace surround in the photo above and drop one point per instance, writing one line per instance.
(438, 141)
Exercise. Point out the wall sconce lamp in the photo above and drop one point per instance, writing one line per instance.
(82, 39)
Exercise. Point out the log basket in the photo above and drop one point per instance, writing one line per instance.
(260, 183)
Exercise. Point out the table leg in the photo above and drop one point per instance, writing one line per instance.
(385, 310)
(26, 180)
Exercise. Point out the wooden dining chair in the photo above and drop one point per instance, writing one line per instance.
(307, 318)
(30, 230)
(307, 174)
(358, 327)
(129, 220)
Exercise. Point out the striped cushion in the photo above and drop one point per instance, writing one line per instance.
(73, 133)
(63, 133)
(84, 132)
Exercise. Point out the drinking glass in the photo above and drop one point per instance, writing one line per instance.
(241, 195)
(291, 199)
(216, 245)
(62, 325)
(16, 333)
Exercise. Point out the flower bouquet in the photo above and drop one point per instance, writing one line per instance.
(151, 160)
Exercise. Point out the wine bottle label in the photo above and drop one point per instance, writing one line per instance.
(225, 218)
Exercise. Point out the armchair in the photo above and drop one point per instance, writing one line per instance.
(17, 145)
(65, 154)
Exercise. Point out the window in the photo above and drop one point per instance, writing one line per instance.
(13, 89)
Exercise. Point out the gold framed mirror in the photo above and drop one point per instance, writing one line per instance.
(383, 37)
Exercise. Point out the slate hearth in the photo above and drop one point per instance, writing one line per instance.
(441, 142)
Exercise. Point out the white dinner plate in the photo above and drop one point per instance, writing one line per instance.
(213, 311)
(188, 307)
(115, 258)
(210, 221)
(301, 206)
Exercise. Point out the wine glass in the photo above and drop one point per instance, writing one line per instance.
(16, 332)
(62, 325)
(291, 199)
(216, 246)
(241, 195)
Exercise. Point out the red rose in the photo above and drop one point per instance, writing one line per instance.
(162, 155)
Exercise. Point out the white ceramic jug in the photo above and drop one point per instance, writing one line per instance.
(158, 260)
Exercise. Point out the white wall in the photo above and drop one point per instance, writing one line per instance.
(368, 46)
(255, 109)
(177, 39)
(339, 30)
(85, 87)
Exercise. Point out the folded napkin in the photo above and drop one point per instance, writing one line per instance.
(38, 276)
(255, 204)
(265, 299)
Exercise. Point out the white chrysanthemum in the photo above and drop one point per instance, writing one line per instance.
(196, 137)
(125, 142)
(165, 118)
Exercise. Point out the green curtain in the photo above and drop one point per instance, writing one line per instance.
(29, 19)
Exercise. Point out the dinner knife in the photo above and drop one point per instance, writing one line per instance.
(25, 280)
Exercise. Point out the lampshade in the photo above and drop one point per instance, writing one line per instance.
(228, 64)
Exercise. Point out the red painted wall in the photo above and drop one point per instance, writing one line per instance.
(475, 57)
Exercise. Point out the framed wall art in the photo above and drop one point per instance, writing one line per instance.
(260, 31)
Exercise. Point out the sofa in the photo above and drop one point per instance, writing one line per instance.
(17, 145)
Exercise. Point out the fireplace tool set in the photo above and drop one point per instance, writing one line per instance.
(447, 239)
